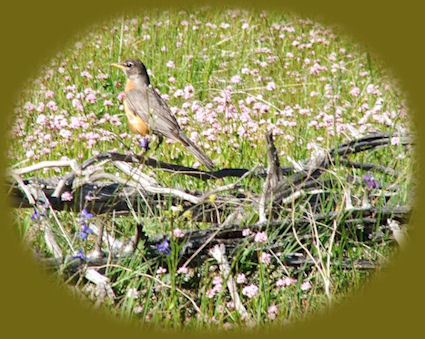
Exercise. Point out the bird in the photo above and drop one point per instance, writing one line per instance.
(147, 112)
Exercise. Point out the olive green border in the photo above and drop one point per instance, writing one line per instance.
(32, 306)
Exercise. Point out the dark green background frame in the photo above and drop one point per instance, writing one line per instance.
(391, 305)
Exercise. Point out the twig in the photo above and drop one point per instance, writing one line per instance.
(218, 252)
(101, 282)
(273, 179)
(24, 189)
(151, 186)
(227, 187)
(369, 167)
(47, 164)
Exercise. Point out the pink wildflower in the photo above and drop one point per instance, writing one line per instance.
(271, 86)
(170, 64)
(65, 133)
(230, 305)
(250, 291)
(182, 270)
(284, 282)
(67, 196)
(240, 278)
(272, 312)
(178, 233)
(355, 92)
(40, 107)
(41, 119)
(236, 79)
(29, 154)
(132, 293)
(395, 141)
(217, 280)
(77, 105)
(305, 286)
(246, 232)
(265, 258)
(178, 93)
(188, 92)
(121, 96)
(261, 237)
(49, 94)
(102, 76)
(211, 293)
(91, 98)
(316, 69)
(29, 106)
(86, 74)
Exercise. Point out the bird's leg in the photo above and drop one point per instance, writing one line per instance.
(160, 140)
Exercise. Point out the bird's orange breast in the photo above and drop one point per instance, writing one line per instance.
(136, 124)
(129, 85)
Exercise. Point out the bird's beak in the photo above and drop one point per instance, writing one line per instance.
(118, 66)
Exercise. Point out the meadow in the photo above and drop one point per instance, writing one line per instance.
(229, 77)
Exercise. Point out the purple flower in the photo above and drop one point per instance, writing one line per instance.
(85, 214)
(144, 143)
(164, 246)
(85, 231)
(370, 181)
(36, 215)
(80, 255)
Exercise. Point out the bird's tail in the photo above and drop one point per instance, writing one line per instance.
(197, 152)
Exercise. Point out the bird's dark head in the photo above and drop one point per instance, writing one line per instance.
(134, 69)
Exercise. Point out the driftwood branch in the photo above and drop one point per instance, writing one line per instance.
(103, 197)
(198, 243)
(138, 192)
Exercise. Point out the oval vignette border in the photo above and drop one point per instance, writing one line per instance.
(387, 306)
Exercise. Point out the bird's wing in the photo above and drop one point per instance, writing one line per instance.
(151, 108)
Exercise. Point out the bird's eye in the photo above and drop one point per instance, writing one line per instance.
(129, 64)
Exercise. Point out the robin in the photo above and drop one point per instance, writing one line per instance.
(147, 112)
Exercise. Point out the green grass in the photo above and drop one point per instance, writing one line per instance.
(303, 106)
